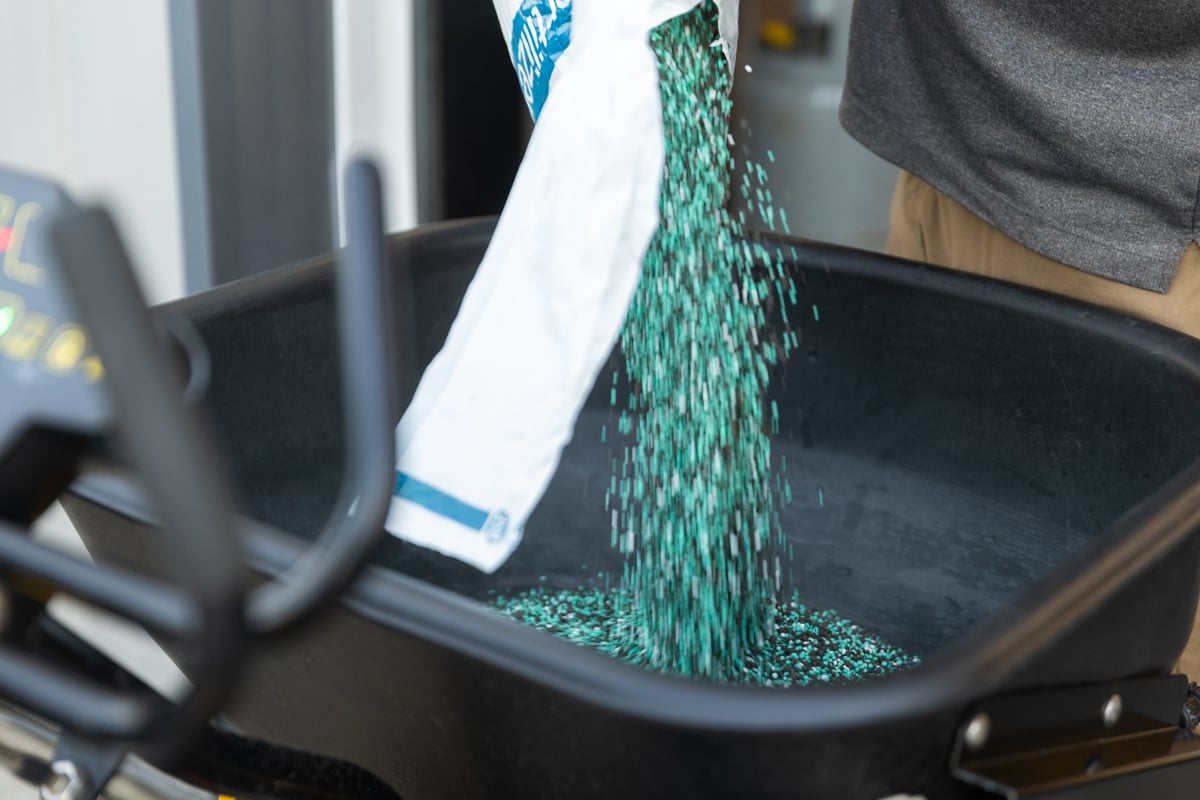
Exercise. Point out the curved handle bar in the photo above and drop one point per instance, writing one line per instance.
(174, 449)
(206, 611)
(356, 524)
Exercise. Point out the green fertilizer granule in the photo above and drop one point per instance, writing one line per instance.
(693, 505)
(806, 647)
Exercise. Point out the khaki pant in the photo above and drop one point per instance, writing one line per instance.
(928, 226)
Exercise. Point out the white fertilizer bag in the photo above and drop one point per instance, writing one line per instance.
(483, 436)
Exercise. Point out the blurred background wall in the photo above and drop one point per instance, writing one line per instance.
(89, 91)
(215, 128)
(832, 188)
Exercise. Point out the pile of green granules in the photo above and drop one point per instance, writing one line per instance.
(691, 500)
(804, 647)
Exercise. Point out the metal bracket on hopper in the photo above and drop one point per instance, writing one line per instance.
(1100, 741)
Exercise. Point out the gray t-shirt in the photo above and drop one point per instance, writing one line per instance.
(1071, 125)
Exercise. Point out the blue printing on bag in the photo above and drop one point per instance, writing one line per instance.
(541, 33)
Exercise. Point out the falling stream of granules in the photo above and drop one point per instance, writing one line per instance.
(694, 512)
(691, 501)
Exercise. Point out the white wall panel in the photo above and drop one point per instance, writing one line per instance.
(88, 102)
(375, 96)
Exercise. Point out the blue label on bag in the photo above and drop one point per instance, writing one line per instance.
(541, 33)
(493, 526)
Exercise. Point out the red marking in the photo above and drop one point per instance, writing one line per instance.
(5, 238)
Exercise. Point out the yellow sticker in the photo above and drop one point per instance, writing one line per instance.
(66, 349)
(93, 368)
(25, 339)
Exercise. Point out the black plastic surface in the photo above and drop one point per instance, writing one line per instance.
(998, 480)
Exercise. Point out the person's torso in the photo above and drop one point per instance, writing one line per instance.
(1060, 121)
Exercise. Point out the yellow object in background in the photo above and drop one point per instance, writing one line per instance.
(778, 35)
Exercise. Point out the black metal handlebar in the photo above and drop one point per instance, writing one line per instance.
(173, 448)
(201, 603)
(337, 556)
